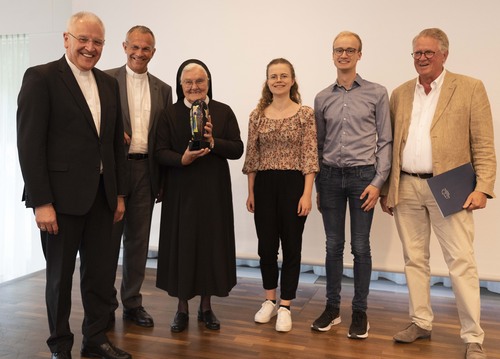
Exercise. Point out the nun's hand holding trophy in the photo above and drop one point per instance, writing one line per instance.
(201, 130)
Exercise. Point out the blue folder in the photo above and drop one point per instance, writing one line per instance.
(451, 188)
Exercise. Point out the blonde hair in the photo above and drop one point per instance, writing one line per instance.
(349, 33)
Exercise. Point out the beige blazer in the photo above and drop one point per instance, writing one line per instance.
(461, 132)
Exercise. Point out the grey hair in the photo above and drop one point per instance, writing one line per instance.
(143, 30)
(192, 66)
(85, 15)
(436, 34)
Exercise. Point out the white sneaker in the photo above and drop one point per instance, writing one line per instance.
(284, 321)
(266, 312)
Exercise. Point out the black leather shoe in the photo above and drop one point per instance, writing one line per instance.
(180, 322)
(105, 351)
(61, 355)
(139, 316)
(211, 321)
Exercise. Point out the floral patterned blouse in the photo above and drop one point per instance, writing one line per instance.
(282, 144)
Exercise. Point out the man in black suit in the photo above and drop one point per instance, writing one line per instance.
(70, 142)
(144, 99)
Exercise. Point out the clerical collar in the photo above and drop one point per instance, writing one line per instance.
(189, 104)
(75, 69)
(135, 75)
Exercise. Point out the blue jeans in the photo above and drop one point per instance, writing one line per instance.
(337, 186)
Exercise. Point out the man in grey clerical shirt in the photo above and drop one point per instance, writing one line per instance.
(144, 99)
(355, 146)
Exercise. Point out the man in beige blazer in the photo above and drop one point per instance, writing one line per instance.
(440, 121)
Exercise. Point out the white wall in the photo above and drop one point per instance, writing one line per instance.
(44, 21)
(237, 39)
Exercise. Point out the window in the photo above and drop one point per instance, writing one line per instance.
(19, 238)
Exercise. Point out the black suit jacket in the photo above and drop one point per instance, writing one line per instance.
(161, 98)
(60, 151)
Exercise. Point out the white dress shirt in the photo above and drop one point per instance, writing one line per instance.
(139, 104)
(417, 154)
(86, 81)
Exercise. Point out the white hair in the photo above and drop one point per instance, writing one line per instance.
(84, 15)
(191, 66)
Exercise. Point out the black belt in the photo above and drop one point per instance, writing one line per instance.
(419, 175)
(137, 156)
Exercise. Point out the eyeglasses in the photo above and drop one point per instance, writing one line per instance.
(418, 54)
(85, 40)
(197, 82)
(349, 51)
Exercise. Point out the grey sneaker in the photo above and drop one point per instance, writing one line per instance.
(329, 317)
(359, 325)
(412, 333)
(474, 351)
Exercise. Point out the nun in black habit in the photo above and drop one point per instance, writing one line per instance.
(196, 253)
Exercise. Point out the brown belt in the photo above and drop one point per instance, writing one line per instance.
(419, 175)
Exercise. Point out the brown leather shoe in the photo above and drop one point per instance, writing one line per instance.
(412, 333)
(474, 351)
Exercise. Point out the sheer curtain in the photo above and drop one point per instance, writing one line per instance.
(20, 249)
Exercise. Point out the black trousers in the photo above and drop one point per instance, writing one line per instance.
(90, 235)
(277, 194)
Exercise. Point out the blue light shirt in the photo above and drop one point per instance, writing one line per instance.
(354, 127)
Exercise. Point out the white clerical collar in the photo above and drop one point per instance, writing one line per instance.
(135, 75)
(189, 104)
(75, 69)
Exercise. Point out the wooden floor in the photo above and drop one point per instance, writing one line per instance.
(23, 326)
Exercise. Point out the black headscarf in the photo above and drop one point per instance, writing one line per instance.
(180, 93)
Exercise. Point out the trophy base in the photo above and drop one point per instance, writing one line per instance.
(195, 145)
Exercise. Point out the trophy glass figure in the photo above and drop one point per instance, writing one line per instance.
(198, 118)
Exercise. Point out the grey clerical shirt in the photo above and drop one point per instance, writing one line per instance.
(354, 127)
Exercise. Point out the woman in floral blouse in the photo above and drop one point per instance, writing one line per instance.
(281, 162)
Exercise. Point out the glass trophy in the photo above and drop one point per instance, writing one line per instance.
(198, 118)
